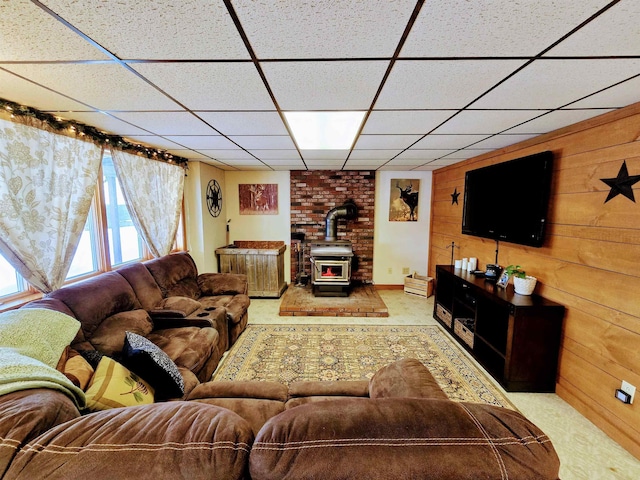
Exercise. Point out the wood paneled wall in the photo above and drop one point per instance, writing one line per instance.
(590, 260)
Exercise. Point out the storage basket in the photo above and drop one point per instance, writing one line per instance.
(463, 328)
(443, 315)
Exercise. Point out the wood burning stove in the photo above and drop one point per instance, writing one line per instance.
(331, 267)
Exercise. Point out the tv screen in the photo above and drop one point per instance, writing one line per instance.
(509, 201)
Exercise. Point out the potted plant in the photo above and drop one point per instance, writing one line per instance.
(523, 284)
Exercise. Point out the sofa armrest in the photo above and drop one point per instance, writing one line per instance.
(160, 441)
(212, 284)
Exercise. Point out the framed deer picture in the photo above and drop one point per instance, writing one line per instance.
(403, 200)
(258, 199)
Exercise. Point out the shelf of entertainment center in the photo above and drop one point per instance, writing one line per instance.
(515, 337)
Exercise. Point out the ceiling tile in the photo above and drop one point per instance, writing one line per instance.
(210, 86)
(162, 29)
(167, 123)
(228, 154)
(441, 84)
(103, 121)
(615, 97)
(276, 154)
(103, 86)
(324, 28)
(277, 142)
(442, 142)
(202, 142)
(386, 142)
(153, 141)
(555, 120)
(443, 162)
(215, 163)
(190, 154)
(324, 164)
(369, 155)
(427, 168)
(245, 123)
(283, 162)
(500, 141)
(408, 162)
(464, 154)
(486, 121)
(424, 155)
(22, 91)
(325, 85)
(615, 32)
(554, 83)
(405, 121)
(29, 33)
(460, 28)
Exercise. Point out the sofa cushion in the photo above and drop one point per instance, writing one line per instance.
(381, 439)
(254, 401)
(114, 386)
(405, 378)
(109, 336)
(97, 298)
(188, 347)
(176, 440)
(144, 285)
(151, 363)
(222, 283)
(185, 306)
(175, 274)
(27, 414)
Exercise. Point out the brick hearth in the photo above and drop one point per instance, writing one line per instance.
(363, 301)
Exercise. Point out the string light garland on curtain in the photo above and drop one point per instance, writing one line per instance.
(61, 125)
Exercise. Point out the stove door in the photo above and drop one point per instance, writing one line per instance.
(331, 272)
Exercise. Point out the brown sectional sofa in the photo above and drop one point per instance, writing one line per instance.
(399, 425)
(194, 318)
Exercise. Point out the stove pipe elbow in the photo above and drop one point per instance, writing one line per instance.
(348, 210)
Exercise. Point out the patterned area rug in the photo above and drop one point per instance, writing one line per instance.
(289, 353)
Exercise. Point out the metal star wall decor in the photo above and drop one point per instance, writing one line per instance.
(454, 196)
(622, 184)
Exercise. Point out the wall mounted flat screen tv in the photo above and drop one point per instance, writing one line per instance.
(509, 201)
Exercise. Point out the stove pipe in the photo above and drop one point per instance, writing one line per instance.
(348, 210)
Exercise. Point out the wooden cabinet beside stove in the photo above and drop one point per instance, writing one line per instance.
(516, 338)
(261, 261)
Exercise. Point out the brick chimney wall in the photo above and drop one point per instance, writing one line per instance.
(314, 193)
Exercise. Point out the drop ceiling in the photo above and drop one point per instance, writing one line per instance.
(439, 81)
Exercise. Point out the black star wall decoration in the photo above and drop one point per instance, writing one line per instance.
(454, 196)
(622, 184)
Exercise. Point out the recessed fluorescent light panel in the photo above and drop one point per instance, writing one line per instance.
(324, 130)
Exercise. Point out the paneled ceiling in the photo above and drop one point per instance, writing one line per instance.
(440, 80)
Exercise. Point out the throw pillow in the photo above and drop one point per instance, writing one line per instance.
(114, 386)
(75, 368)
(150, 362)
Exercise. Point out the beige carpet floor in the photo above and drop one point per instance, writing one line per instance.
(290, 353)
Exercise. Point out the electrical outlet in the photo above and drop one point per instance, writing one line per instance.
(390, 270)
(405, 270)
(628, 388)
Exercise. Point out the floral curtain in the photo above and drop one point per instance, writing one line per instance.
(152, 190)
(47, 183)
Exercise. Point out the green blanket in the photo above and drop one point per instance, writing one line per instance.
(31, 343)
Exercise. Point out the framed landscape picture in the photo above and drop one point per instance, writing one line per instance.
(258, 198)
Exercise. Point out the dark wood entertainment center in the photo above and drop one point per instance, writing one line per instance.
(516, 338)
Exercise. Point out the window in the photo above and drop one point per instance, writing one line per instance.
(109, 239)
(10, 281)
(125, 245)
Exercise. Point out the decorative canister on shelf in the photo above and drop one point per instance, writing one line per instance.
(524, 286)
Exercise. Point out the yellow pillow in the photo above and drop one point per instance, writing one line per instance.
(114, 386)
